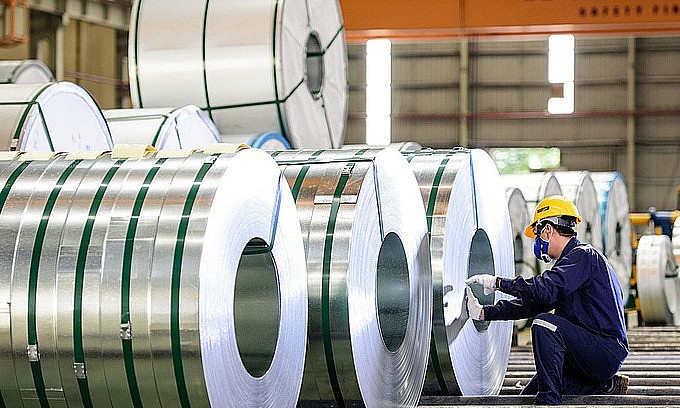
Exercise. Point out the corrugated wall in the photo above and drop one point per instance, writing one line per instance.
(508, 93)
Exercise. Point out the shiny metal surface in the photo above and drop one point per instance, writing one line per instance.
(369, 277)
(657, 281)
(470, 233)
(25, 72)
(616, 228)
(578, 186)
(122, 283)
(525, 261)
(266, 65)
(40, 117)
(187, 127)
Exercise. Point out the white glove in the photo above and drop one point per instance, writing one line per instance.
(474, 308)
(488, 281)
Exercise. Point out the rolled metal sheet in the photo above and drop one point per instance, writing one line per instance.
(578, 187)
(525, 261)
(25, 72)
(534, 187)
(370, 282)
(59, 116)
(470, 234)
(266, 141)
(657, 281)
(258, 66)
(616, 229)
(187, 127)
(116, 299)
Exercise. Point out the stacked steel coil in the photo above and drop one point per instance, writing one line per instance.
(658, 287)
(164, 128)
(120, 287)
(25, 72)
(256, 66)
(616, 229)
(578, 187)
(370, 284)
(40, 117)
(470, 234)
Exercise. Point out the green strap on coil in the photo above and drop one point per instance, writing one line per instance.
(176, 281)
(3, 199)
(128, 356)
(24, 115)
(78, 349)
(33, 280)
(325, 287)
(136, 54)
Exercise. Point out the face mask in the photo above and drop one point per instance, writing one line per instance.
(541, 249)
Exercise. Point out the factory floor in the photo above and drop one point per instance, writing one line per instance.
(653, 367)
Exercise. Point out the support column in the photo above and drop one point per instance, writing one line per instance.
(631, 122)
(463, 93)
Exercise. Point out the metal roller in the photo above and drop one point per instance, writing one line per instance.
(58, 116)
(657, 281)
(187, 127)
(126, 291)
(256, 66)
(616, 229)
(25, 72)
(525, 261)
(370, 283)
(470, 234)
(578, 187)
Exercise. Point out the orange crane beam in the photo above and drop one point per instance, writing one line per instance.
(469, 18)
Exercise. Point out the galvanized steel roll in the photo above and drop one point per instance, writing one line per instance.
(534, 186)
(114, 290)
(255, 66)
(25, 72)
(59, 116)
(187, 127)
(658, 288)
(370, 282)
(616, 229)
(470, 234)
(401, 146)
(525, 261)
(578, 186)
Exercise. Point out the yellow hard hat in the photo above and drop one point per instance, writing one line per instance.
(552, 207)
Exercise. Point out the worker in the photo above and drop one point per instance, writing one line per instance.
(579, 348)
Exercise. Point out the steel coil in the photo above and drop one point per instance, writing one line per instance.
(370, 282)
(470, 234)
(401, 146)
(534, 186)
(25, 72)
(255, 66)
(525, 261)
(266, 141)
(616, 229)
(657, 281)
(126, 291)
(578, 186)
(58, 116)
(187, 127)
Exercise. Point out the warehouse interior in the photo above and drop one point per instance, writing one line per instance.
(578, 92)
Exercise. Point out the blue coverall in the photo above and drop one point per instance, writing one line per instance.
(583, 344)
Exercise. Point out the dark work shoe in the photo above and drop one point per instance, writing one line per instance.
(617, 385)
